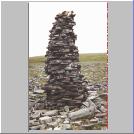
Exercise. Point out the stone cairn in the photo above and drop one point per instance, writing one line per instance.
(66, 85)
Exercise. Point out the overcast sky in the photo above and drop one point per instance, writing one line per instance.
(91, 25)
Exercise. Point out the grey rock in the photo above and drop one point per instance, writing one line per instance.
(102, 109)
(92, 97)
(51, 113)
(31, 122)
(64, 113)
(82, 113)
(86, 104)
(35, 88)
(41, 111)
(66, 127)
(94, 120)
(43, 126)
(39, 91)
(53, 124)
(36, 123)
(45, 119)
(66, 108)
(35, 115)
(67, 121)
(63, 116)
(89, 87)
(59, 120)
(35, 128)
(77, 123)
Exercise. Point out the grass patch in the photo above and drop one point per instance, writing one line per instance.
(83, 58)
(37, 59)
(93, 57)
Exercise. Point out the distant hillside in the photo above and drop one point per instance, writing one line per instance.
(83, 58)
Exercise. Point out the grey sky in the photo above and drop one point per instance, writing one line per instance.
(91, 25)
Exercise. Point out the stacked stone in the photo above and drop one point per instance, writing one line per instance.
(65, 85)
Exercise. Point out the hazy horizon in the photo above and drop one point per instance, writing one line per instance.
(79, 53)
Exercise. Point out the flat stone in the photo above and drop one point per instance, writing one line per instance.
(39, 91)
(31, 122)
(82, 113)
(63, 116)
(35, 128)
(33, 95)
(51, 113)
(45, 119)
(30, 93)
(36, 123)
(94, 120)
(92, 97)
(41, 111)
(63, 113)
(86, 104)
(92, 92)
(53, 124)
(77, 123)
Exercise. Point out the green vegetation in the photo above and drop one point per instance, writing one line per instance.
(83, 58)
(93, 57)
(93, 67)
(37, 59)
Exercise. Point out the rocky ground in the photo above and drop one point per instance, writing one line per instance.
(43, 119)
